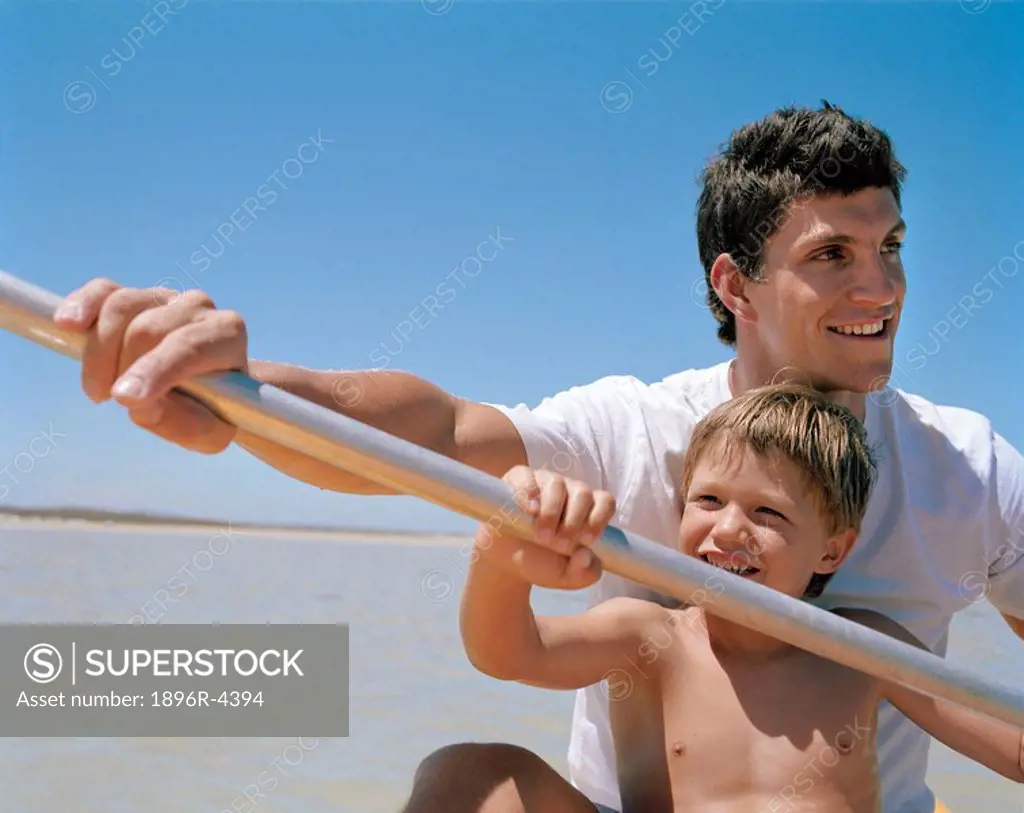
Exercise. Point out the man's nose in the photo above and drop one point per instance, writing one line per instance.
(877, 284)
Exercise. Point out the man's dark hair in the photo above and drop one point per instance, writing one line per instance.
(793, 153)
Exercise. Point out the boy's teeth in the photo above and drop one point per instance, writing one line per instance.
(860, 330)
(739, 571)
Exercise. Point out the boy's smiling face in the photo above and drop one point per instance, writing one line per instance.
(756, 517)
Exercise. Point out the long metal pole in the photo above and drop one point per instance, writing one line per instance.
(336, 439)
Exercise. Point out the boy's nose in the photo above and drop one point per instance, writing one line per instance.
(731, 529)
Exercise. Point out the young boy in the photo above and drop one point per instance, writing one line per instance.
(708, 715)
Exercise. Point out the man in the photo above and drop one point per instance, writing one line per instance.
(799, 228)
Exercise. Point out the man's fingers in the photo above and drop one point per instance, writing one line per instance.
(172, 313)
(80, 308)
(142, 343)
(213, 343)
(186, 422)
(104, 346)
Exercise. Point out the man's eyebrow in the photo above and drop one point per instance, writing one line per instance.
(826, 234)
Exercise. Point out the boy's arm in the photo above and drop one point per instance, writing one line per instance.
(995, 744)
(504, 639)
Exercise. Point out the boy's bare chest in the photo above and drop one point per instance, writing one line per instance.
(799, 733)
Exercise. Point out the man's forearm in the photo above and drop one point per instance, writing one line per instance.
(400, 404)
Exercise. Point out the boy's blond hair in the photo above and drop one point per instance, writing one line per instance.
(824, 439)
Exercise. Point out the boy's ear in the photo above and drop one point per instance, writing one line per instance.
(730, 285)
(837, 548)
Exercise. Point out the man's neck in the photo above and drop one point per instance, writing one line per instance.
(745, 374)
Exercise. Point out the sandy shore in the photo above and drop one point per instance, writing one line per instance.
(292, 533)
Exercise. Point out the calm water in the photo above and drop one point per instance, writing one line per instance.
(412, 689)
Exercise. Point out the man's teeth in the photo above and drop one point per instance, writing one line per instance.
(737, 569)
(860, 330)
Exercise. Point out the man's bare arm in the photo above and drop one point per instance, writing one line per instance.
(141, 343)
(398, 403)
(993, 743)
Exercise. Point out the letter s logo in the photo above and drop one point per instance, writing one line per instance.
(43, 663)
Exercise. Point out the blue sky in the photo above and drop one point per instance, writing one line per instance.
(386, 141)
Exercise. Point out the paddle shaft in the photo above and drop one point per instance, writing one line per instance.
(338, 440)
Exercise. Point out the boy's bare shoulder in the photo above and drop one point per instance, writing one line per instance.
(634, 613)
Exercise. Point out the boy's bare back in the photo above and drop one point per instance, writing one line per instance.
(700, 728)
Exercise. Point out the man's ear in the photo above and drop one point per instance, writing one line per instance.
(730, 285)
(837, 548)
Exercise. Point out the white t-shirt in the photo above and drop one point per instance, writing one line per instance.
(944, 528)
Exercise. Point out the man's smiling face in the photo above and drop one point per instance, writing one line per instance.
(829, 301)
